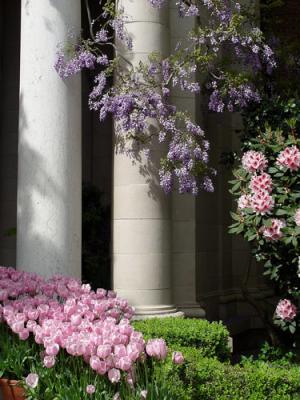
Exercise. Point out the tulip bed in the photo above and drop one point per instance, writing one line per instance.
(64, 341)
(69, 341)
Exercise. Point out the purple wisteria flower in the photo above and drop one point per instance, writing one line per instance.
(142, 94)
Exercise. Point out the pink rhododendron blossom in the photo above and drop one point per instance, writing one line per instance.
(90, 389)
(32, 380)
(157, 348)
(254, 161)
(177, 357)
(274, 232)
(262, 203)
(261, 183)
(297, 217)
(244, 201)
(286, 310)
(289, 158)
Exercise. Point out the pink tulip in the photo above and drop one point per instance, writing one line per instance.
(157, 348)
(49, 361)
(177, 357)
(124, 363)
(114, 375)
(90, 389)
(52, 349)
(95, 362)
(32, 380)
(102, 368)
(103, 351)
(24, 334)
(144, 394)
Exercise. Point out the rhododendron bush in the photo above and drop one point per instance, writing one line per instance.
(142, 94)
(267, 192)
(63, 315)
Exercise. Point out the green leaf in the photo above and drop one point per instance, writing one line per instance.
(236, 186)
(292, 329)
(280, 212)
(268, 223)
(235, 216)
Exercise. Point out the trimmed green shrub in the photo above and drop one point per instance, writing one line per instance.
(209, 379)
(210, 338)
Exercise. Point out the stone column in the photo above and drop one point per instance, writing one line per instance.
(141, 211)
(184, 206)
(49, 171)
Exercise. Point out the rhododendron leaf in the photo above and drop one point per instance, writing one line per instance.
(292, 329)
(234, 216)
(280, 212)
(236, 186)
(252, 237)
(272, 170)
(268, 223)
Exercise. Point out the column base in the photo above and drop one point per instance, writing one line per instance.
(192, 310)
(147, 312)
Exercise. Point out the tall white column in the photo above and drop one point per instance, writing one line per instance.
(141, 211)
(184, 206)
(49, 170)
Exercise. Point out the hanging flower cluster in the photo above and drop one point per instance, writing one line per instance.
(267, 190)
(61, 313)
(141, 95)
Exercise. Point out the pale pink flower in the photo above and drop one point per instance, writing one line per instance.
(254, 161)
(52, 349)
(24, 334)
(124, 363)
(297, 217)
(157, 348)
(114, 375)
(90, 389)
(244, 201)
(133, 351)
(262, 203)
(261, 183)
(177, 357)
(144, 394)
(76, 319)
(274, 232)
(95, 363)
(49, 361)
(289, 158)
(32, 380)
(33, 314)
(103, 351)
(286, 310)
(117, 396)
(130, 378)
(120, 350)
(102, 367)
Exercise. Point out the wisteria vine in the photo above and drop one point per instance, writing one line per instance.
(142, 94)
